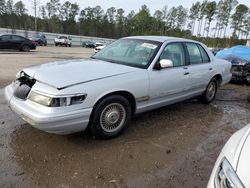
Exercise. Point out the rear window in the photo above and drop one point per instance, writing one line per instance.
(36, 36)
(197, 54)
(204, 55)
(17, 38)
(194, 53)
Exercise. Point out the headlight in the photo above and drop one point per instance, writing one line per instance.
(56, 101)
(40, 99)
(226, 176)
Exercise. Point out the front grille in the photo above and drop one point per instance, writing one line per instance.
(236, 69)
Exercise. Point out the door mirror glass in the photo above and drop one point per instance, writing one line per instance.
(166, 63)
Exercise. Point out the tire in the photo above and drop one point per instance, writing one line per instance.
(25, 48)
(56, 44)
(40, 43)
(69, 45)
(110, 117)
(248, 79)
(209, 95)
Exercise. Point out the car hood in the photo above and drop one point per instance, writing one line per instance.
(64, 74)
(243, 167)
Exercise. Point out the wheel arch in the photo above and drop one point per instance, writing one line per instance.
(218, 77)
(129, 96)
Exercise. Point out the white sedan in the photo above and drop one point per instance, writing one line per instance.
(127, 77)
(232, 168)
(98, 47)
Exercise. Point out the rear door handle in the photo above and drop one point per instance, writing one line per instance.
(210, 68)
(186, 73)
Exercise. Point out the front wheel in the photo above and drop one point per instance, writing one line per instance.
(209, 95)
(110, 117)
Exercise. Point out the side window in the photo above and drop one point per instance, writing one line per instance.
(194, 53)
(6, 37)
(175, 53)
(17, 38)
(205, 57)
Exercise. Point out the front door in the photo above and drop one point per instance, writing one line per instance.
(5, 42)
(172, 84)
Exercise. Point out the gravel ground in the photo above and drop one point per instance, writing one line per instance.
(175, 146)
(13, 61)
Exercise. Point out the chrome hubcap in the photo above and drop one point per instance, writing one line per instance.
(112, 117)
(248, 79)
(211, 90)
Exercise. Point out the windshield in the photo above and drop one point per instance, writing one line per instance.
(131, 52)
(36, 36)
(62, 37)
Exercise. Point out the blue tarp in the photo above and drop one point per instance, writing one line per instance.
(239, 51)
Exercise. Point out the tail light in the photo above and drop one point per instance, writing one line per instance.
(34, 42)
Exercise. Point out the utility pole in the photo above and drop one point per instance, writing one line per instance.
(35, 4)
(35, 8)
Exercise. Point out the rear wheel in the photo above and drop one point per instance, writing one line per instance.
(25, 48)
(248, 79)
(209, 95)
(110, 117)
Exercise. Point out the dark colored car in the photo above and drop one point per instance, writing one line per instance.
(240, 69)
(88, 44)
(239, 56)
(16, 42)
(40, 39)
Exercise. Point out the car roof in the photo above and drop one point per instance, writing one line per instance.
(11, 35)
(160, 38)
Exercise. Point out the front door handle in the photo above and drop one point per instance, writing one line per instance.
(186, 73)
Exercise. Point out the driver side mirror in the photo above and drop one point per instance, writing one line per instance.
(166, 63)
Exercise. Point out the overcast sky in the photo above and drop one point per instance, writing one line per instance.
(128, 5)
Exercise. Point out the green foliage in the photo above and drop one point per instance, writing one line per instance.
(204, 19)
(239, 18)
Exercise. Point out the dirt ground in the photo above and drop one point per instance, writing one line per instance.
(175, 146)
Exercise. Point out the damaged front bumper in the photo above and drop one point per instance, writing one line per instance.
(63, 120)
(241, 73)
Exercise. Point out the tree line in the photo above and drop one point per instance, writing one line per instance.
(206, 21)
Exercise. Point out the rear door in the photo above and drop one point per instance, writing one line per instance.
(200, 66)
(17, 41)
